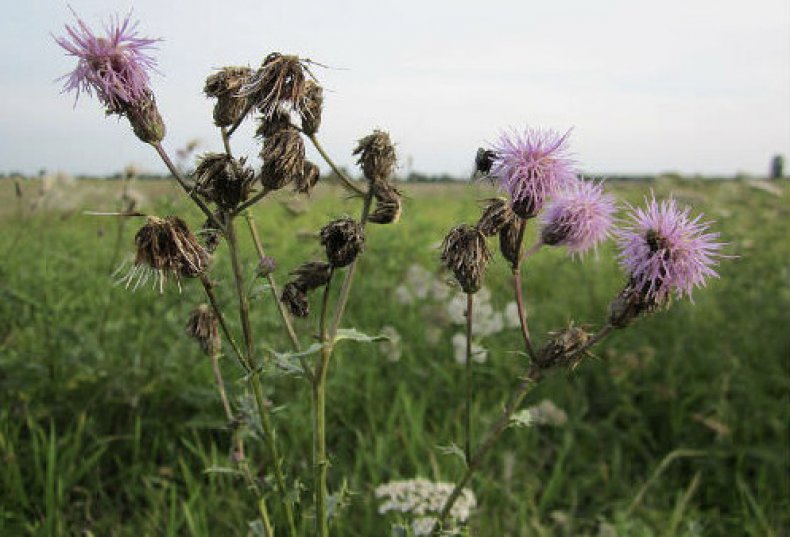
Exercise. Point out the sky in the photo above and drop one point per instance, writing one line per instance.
(688, 86)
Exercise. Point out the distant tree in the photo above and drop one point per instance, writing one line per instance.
(777, 167)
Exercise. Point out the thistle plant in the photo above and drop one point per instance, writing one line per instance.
(285, 99)
(662, 249)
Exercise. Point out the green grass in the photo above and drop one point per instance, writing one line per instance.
(109, 418)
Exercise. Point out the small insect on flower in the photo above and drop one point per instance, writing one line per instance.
(531, 166)
(114, 66)
(665, 252)
(578, 217)
(168, 249)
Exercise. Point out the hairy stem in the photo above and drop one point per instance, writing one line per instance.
(320, 462)
(468, 367)
(340, 174)
(473, 464)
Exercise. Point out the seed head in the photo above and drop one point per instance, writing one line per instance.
(167, 248)
(224, 85)
(283, 158)
(579, 217)
(308, 178)
(279, 120)
(312, 275)
(343, 239)
(531, 166)
(295, 299)
(222, 179)
(388, 204)
(311, 108)
(465, 252)
(563, 349)
(280, 80)
(496, 215)
(204, 327)
(376, 155)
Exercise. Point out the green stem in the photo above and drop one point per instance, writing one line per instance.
(320, 462)
(519, 293)
(468, 367)
(340, 174)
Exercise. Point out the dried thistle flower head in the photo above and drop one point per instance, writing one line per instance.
(279, 120)
(295, 299)
(305, 181)
(388, 204)
(283, 158)
(167, 248)
(343, 239)
(465, 252)
(222, 179)
(496, 215)
(312, 275)
(311, 108)
(376, 155)
(564, 348)
(204, 327)
(210, 235)
(280, 80)
(510, 241)
(224, 85)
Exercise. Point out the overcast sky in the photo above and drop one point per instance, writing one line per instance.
(696, 86)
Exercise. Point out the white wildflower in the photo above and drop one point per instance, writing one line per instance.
(391, 347)
(479, 353)
(403, 295)
(511, 315)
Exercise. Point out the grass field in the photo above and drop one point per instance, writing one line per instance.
(109, 420)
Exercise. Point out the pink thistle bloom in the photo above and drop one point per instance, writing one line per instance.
(531, 166)
(578, 217)
(664, 250)
(114, 66)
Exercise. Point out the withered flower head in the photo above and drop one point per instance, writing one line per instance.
(564, 348)
(484, 160)
(204, 327)
(343, 239)
(281, 79)
(388, 204)
(312, 106)
(312, 275)
(167, 248)
(283, 158)
(496, 215)
(632, 302)
(376, 155)
(465, 252)
(306, 180)
(224, 85)
(279, 120)
(210, 235)
(222, 179)
(509, 242)
(295, 299)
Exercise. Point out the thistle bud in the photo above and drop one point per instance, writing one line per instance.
(630, 304)
(509, 242)
(343, 239)
(312, 275)
(167, 248)
(296, 300)
(279, 81)
(465, 252)
(283, 158)
(266, 266)
(308, 178)
(496, 215)
(222, 179)
(376, 155)
(224, 85)
(145, 119)
(484, 160)
(279, 120)
(388, 204)
(312, 106)
(563, 349)
(204, 327)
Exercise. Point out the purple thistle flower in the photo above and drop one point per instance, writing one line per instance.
(114, 66)
(531, 166)
(579, 216)
(665, 251)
